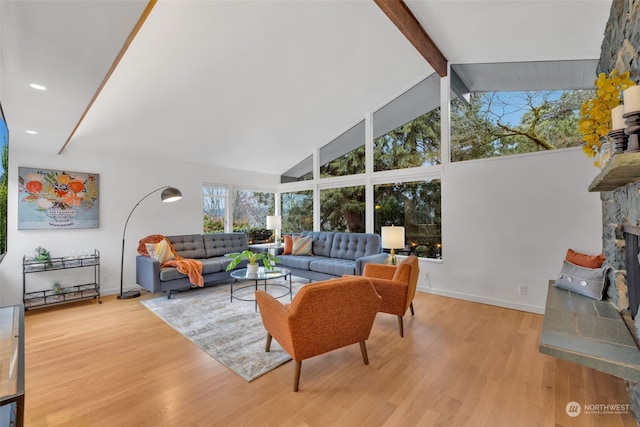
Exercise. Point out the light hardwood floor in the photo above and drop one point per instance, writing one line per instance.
(460, 364)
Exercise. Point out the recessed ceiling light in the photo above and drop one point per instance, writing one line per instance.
(37, 86)
(32, 132)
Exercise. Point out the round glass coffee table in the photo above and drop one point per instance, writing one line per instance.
(263, 275)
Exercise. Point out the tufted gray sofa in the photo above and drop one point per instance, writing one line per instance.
(335, 254)
(208, 248)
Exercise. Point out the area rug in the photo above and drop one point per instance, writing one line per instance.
(230, 332)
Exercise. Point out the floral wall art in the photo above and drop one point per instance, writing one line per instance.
(52, 199)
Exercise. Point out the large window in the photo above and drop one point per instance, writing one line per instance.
(343, 209)
(416, 206)
(495, 124)
(250, 209)
(414, 144)
(297, 211)
(214, 207)
(345, 154)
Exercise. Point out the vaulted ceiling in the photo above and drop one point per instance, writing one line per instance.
(210, 81)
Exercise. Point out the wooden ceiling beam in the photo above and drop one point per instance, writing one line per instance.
(400, 14)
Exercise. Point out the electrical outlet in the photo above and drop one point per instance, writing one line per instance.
(523, 289)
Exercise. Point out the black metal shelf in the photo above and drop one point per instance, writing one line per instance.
(62, 295)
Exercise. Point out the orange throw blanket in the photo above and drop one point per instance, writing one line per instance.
(188, 267)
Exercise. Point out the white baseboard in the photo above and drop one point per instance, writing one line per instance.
(484, 300)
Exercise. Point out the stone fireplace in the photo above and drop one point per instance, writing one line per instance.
(621, 206)
(620, 225)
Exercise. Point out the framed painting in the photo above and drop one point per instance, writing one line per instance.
(53, 199)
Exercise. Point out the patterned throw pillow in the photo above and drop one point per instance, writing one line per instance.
(162, 252)
(301, 246)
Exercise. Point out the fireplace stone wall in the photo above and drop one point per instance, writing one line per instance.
(621, 50)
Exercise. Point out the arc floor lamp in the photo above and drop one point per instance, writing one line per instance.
(169, 194)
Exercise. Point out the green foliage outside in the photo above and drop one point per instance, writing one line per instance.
(213, 225)
(297, 211)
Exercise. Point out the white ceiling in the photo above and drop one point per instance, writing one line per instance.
(211, 81)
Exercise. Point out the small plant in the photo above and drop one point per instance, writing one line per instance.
(267, 259)
(42, 255)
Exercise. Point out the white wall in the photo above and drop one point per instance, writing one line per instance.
(123, 182)
(509, 221)
(506, 221)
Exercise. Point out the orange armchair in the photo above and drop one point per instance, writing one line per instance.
(396, 284)
(322, 317)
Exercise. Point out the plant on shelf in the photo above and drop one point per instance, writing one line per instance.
(267, 259)
(42, 255)
(595, 113)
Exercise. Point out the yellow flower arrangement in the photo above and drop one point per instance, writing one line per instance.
(595, 113)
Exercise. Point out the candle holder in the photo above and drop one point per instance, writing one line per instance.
(620, 139)
(632, 120)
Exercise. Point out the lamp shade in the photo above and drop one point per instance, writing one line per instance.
(392, 237)
(274, 222)
(170, 194)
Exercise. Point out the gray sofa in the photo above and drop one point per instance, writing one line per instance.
(208, 248)
(335, 254)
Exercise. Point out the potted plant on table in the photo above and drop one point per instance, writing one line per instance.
(268, 260)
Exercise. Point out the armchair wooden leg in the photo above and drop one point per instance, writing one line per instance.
(401, 326)
(411, 308)
(296, 378)
(268, 345)
(363, 349)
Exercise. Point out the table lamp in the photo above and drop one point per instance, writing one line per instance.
(392, 238)
(274, 222)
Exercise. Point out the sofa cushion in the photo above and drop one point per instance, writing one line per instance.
(295, 261)
(209, 266)
(336, 267)
(354, 245)
(219, 244)
(189, 246)
(322, 241)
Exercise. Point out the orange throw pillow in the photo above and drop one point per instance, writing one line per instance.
(288, 245)
(583, 260)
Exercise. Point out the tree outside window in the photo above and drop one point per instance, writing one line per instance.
(417, 207)
(343, 209)
(214, 207)
(297, 211)
(414, 144)
(504, 123)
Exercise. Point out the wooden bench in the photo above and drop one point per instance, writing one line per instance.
(590, 333)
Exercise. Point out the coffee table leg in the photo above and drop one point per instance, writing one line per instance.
(255, 304)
